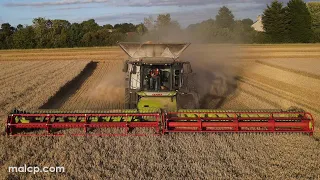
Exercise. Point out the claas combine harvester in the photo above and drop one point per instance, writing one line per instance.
(159, 97)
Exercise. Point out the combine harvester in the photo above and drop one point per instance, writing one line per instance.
(159, 96)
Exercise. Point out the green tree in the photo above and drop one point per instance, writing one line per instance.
(115, 37)
(7, 29)
(88, 39)
(274, 22)
(223, 35)
(2, 40)
(163, 21)
(125, 27)
(6, 35)
(75, 34)
(206, 31)
(24, 38)
(260, 38)
(243, 32)
(175, 25)
(141, 29)
(163, 29)
(59, 33)
(247, 22)
(42, 35)
(149, 23)
(210, 32)
(225, 18)
(89, 26)
(299, 22)
(102, 37)
(107, 26)
(314, 9)
(19, 27)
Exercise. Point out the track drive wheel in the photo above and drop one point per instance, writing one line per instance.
(127, 99)
(130, 99)
(188, 101)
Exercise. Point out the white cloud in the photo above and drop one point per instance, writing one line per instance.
(184, 17)
(54, 3)
(141, 3)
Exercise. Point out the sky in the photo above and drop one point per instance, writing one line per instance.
(119, 11)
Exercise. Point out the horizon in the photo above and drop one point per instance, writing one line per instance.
(113, 12)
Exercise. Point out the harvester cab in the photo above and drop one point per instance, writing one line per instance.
(156, 77)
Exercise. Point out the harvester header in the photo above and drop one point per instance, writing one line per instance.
(200, 120)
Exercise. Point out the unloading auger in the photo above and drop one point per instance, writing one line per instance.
(158, 96)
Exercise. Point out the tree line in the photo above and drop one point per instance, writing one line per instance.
(297, 22)
(44, 33)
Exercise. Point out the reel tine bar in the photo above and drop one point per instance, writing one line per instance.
(85, 121)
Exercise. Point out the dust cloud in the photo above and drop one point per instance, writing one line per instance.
(109, 86)
(215, 72)
(214, 65)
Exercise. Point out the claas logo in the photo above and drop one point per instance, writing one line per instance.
(157, 94)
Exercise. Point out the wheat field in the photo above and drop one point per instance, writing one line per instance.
(256, 77)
